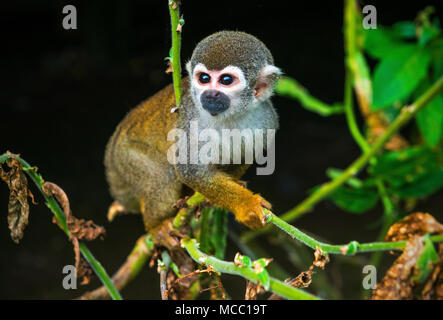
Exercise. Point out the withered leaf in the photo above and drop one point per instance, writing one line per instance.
(84, 271)
(169, 69)
(320, 258)
(417, 262)
(18, 206)
(433, 288)
(252, 290)
(79, 230)
(417, 223)
(304, 279)
(179, 287)
(397, 283)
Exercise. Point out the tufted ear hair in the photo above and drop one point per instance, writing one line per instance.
(188, 68)
(266, 80)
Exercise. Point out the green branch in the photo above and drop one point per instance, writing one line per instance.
(405, 115)
(221, 266)
(351, 248)
(291, 88)
(59, 215)
(176, 39)
(357, 76)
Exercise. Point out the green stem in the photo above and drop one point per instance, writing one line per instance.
(276, 286)
(348, 249)
(405, 115)
(176, 40)
(289, 87)
(352, 76)
(350, 115)
(59, 215)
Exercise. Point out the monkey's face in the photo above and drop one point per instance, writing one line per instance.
(226, 92)
(218, 92)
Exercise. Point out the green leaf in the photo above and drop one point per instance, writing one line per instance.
(264, 279)
(362, 77)
(219, 232)
(436, 49)
(430, 121)
(428, 33)
(354, 200)
(353, 181)
(414, 172)
(149, 242)
(398, 74)
(425, 261)
(352, 248)
(379, 43)
(421, 186)
(405, 166)
(404, 29)
(243, 261)
(205, 231)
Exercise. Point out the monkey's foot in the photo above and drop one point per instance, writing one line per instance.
(164, 235)
(116, 208)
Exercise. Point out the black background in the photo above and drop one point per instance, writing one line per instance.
(62, 92)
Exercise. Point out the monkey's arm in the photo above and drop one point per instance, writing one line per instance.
(224, 190)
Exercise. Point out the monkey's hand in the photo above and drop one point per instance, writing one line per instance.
(225, 191)
(250, 211)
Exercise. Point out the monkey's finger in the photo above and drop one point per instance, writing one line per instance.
(265, 204)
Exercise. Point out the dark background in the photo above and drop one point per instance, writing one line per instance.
(62, 92)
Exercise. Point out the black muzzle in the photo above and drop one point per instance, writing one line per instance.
(215, 102)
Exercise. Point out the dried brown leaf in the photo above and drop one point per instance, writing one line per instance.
(181, 203)
(179, 287)
(169, 69)
(79, 230)
(18, 206)
(304, 279)
(320, 258)
(397, 283)
(433, 288)
(252, 290)
(84, 271)
(418, 223)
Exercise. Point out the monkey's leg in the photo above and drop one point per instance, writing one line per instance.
(224, 190)
(159, 205)
(146, 183)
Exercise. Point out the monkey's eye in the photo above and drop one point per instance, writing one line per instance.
(204, 78)
(226, 79)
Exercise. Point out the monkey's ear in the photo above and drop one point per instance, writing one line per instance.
(188, 68)
(266, 80)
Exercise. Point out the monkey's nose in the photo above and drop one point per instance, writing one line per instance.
(214, 101)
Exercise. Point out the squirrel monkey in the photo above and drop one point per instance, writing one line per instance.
(231, 80)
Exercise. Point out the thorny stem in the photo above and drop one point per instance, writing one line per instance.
(276, 286)
(176, 39)
(59, 215)
(405, 115)
(348, 249)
